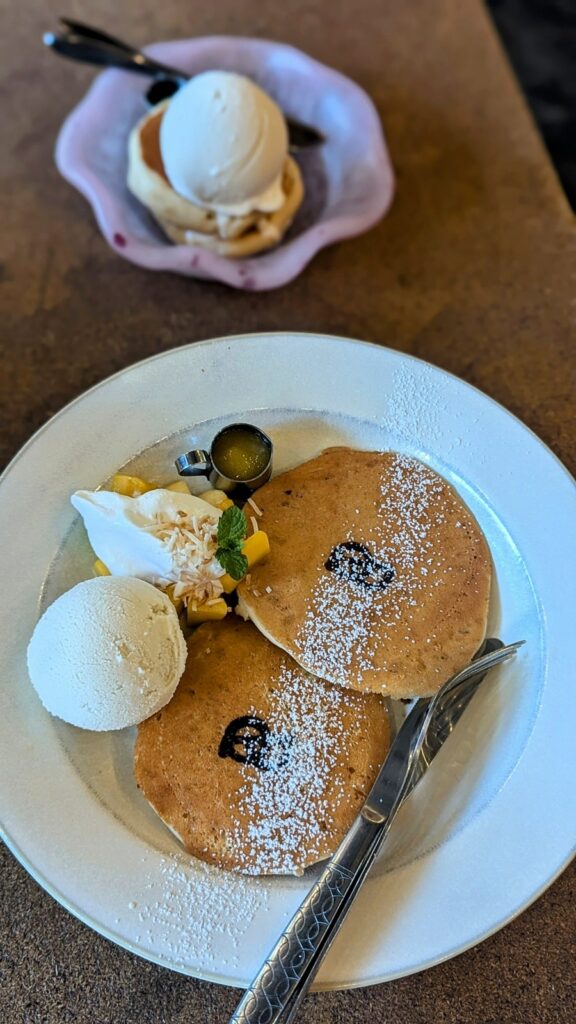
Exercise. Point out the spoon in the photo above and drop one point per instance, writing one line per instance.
(92, 46)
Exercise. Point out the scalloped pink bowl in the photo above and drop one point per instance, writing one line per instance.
(348, 179)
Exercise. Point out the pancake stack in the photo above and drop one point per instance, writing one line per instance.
(183, 221)
(377, 587)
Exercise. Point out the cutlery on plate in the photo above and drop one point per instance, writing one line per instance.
(281, 983)
(92, 46)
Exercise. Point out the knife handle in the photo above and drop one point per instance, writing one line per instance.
(298, 946)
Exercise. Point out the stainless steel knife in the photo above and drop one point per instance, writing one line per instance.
(287, 972)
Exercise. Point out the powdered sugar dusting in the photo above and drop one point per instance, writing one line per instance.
(415, 417)
(346, 623)
(195, 912)
(289, 807)
(413, 413)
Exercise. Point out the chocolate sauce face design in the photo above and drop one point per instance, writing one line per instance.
(353, 563)
(249, 740)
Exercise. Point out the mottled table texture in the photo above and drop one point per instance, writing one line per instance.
(473, 269)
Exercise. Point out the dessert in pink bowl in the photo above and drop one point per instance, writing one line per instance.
(348, 179)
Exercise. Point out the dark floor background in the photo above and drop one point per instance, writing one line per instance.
(540, 38)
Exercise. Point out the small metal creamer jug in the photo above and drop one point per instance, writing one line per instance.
(240, 459)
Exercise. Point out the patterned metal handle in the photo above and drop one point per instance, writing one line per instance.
(298, 947)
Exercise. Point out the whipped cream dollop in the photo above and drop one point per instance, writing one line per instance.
(163, 537)
(224, 144)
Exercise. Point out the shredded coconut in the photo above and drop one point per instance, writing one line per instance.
(253, 505)
(192, 542)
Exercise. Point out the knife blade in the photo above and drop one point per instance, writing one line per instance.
(424, 731)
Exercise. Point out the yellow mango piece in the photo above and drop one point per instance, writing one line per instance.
(178, 602)
(256, 548)
(213, 497)
(228, 583)
(207, 612)
(219, 499)
(130, 486)
(179, 486)
(100, 569)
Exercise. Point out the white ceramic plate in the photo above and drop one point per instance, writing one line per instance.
(492, 823)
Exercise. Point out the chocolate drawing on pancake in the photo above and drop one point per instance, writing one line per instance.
(380, 575)
(251, 735)
(248, 740)
(256, 765)
(352, 562)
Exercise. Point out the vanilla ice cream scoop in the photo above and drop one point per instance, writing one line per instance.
(107, 654)
(224, 144)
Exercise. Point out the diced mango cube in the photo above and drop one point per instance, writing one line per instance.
(219, 499)
(256, 548)
(207, 612)
(130, 486)
(179, 485)
(178, 602)
(228, 583)
(100, 569)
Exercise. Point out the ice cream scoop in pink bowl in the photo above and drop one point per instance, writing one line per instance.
(348, 179)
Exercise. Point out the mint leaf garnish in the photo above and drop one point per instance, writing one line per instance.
(235, 563)
(232, 529)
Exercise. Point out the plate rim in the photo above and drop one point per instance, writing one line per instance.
(334, 338)
(216, 978)
(208, 974)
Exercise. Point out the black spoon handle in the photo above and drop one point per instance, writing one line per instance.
(108, 53)
(78, 28)
(92, 46)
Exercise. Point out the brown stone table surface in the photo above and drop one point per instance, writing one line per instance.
(474, 269)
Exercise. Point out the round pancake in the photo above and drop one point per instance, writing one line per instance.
(378, 577)
(257, 766)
